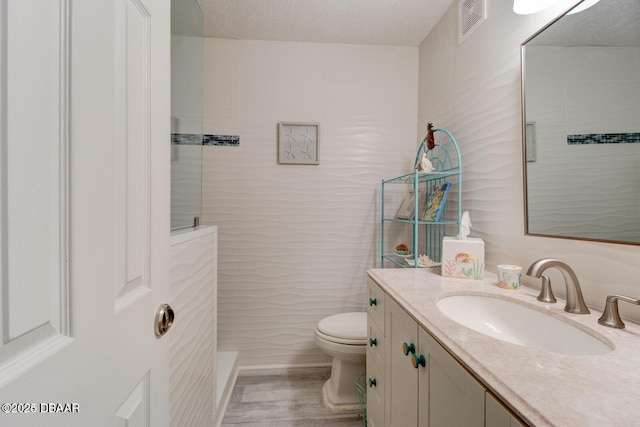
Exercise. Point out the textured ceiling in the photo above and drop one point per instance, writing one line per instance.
(378, 22)
(608, 23)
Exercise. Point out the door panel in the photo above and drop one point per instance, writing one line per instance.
(33, 202)
(456, 398)
(84, 132)
(134, 412)
(401, 378)
(132, 144)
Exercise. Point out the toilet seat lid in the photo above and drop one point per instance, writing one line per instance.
(346, 326)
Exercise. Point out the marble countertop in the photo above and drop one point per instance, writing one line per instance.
(544, 389)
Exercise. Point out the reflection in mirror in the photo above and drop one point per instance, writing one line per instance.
(186, 112)
(581, 119)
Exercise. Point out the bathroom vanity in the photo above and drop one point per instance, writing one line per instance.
(423, 368)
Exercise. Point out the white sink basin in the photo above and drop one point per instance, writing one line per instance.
(519, 324)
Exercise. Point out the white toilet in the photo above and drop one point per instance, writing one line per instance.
(344, 337)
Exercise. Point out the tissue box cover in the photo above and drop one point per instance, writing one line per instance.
(463, 258)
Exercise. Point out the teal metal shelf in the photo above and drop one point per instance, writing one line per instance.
(421, 177)
(420, 222)
(445, 157)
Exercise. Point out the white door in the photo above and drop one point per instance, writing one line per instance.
(84, 211)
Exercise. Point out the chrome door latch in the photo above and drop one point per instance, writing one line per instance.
(164, 319)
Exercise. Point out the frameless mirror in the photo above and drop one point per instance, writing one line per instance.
(581, 118)
(186, 112)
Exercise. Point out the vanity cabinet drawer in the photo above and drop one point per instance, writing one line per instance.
(375, 343)
(375, 395)
(375, 304)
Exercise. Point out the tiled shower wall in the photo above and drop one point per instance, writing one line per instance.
(476, 88)
(192, 349)
(295, 241)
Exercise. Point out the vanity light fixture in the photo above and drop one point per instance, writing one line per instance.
(586, 4)
(526, 7)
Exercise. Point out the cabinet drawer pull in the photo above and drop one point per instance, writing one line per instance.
(418, 361)
(373, 341)
(408, 348)
(373, 301)
(372, 382)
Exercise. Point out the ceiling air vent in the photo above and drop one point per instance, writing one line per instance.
(471, 13)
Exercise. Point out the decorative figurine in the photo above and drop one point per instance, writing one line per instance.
(431, 141)
(425, 164)
(423, 261)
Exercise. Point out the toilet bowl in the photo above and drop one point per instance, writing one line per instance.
(344, 337)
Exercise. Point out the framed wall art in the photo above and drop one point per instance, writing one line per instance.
(298, 143)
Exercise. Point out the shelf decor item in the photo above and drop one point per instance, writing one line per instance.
(436, 202)
(407, 208)
(463, 258)
(298, 143)
(403, 249)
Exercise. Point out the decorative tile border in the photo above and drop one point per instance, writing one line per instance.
(603, 138)
(186, 139)
(222, 140)
(198, 139)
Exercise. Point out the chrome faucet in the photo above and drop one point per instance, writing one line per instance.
(575, 301)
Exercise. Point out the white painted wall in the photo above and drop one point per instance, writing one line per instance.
(295, 241)
(473, 89)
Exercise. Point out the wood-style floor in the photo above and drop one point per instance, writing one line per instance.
(282, 398)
